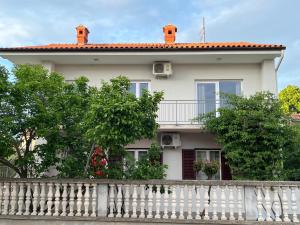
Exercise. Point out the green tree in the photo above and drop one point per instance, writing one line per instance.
(67, 147)
(119, 118)
(254, 135)
(291, 161)
(290, 99)
(25, 114)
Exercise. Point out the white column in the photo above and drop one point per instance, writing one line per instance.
(86, 199)
(119, 201)
(206, 204)
(166, 202)
(150, 202)
(268, 204)
(181, 202)
(49, 199)
(198, 205)
(1, 196)
(240, 203)
(173, 202)
(72, 199)
(42, 198)
(94, 200)
(79, 200)
(6, 198)
(285, 205)
(64, 200)
(259, 204)
(158, 196)
(35, 198)
(57, 200)
(21, 199)
(214, 202)
(111, 200)
(13, 199)
(190, 202)
(294, 204)
(134, 201)
(223, 203)
(126, 201)
(28, 199)
(276, 205)
(268, 76)
(142, 205)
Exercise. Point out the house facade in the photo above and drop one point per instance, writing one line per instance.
(191, 75)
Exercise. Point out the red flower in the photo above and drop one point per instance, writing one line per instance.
(103, 162)
(99, 173)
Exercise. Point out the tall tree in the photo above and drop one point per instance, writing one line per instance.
(254, 134)
(67, 147)
(120, 118)
(25, 113)
(290, 99)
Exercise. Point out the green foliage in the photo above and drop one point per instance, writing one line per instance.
(254, 135)
(67, 121)
(210, 168)
(291, 162)
(25, 114)
(119, 118)
(198, 165)
(290, 99)
(67, 147)
(148, 167)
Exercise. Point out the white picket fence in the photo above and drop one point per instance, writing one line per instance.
(155, 199)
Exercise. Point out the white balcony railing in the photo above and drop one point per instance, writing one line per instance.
(155, 199)
(184, 111)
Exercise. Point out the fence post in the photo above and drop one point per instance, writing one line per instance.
(250, 203)
(102, 200)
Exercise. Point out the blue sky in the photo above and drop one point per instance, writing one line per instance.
(35, 22)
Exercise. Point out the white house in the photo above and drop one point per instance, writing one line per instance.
(191, 75)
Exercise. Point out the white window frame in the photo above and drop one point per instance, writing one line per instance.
(138, 86)
(207, 152)
(217, 88)
(136, 152)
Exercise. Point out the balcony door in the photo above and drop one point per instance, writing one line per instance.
(209, 94)
(207, 97)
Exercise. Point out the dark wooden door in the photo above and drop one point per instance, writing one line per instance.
(188, 158)
(226, 173)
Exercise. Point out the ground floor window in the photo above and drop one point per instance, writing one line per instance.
(208, 155)
(137, 154)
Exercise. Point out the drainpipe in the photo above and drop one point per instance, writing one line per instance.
(280, 60)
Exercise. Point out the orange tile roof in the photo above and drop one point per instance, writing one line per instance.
(148, 47)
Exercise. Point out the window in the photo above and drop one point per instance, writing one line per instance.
(137, 87)
(209, 94)
(209, 155)
(137, 154)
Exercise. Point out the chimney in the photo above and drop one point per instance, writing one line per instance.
(170, 33)
(82, 35)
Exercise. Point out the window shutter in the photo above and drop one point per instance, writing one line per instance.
(226, 173)
(188, 158)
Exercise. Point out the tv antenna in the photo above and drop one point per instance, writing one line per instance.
(202, 31)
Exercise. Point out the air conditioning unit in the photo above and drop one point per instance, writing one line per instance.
(162, 69)
(170, 140)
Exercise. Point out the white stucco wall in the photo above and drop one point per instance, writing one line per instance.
(181, 85)
(173, 157)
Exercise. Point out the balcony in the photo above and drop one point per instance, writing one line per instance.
(184, 112)
(46, 201)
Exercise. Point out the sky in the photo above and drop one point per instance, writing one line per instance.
(38, 22)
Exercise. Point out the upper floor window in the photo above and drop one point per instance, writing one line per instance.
(137, 87)
(209, 94)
